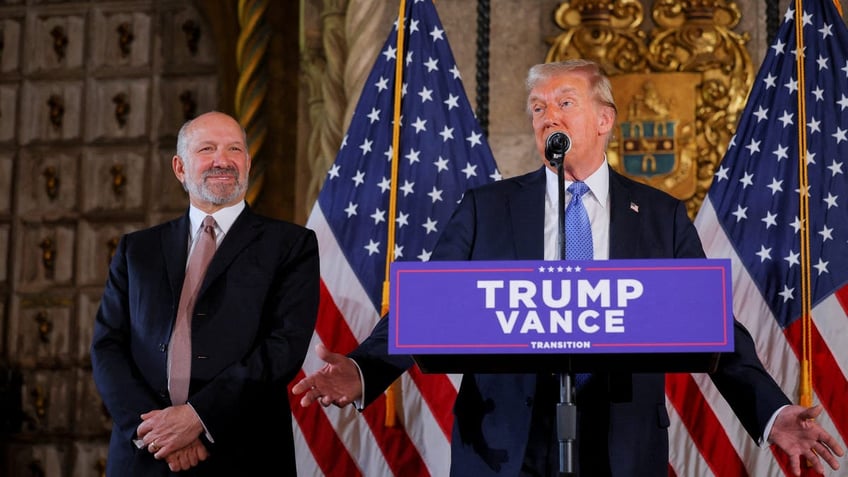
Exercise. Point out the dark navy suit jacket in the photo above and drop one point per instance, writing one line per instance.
(251, 328)
(625, 437)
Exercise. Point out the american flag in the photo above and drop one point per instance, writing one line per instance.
(752, 215)
(441, 153)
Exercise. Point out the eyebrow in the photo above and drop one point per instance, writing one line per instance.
(213, 142)
(559, 92)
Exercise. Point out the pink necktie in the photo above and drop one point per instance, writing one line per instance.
(179, 349)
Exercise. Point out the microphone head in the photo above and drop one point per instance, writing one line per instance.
(557, 146)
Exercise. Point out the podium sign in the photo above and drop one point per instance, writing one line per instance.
(562, 307)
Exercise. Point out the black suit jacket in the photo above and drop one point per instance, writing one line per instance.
(251, 327)
(617, 436)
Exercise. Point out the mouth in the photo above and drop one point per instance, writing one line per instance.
(222, 178)
(220, 175)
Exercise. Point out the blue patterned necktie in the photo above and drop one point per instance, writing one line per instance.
(578, 230)
(578, 241)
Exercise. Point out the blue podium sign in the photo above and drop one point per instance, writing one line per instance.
(573, 307)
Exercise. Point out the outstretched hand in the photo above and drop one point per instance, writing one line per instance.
(337, 382)
(796, 432)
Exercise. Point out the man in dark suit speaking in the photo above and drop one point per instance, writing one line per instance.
(203, 323)
(505, 423)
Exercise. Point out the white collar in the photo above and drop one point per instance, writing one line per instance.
(598, 184)
(224, 218)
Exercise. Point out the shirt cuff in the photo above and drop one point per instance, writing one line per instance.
(205, 430)
(358, 402)
(767, 431)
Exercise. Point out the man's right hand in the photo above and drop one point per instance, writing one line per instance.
(187, 457)
(338, 382)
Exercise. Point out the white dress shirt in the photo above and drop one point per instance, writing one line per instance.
(597, 206)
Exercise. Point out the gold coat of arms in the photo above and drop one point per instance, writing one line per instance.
(655, 135)
(680, 85)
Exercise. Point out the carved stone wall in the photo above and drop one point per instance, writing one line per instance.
(91, 96)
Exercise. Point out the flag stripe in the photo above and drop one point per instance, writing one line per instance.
(842, 296)
(329, 452)
(684, 457)
(331, 325)
(828, 381)
(671, 472)
(783, 461)
(696, 414)
(831, 318)
(400, 452)
(439, 394)
(422, 427)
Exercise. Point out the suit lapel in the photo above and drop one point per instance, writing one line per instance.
(624, 219)
(175, 248)
(528, 218)
(245, 230)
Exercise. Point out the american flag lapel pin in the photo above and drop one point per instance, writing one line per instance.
(634, 207)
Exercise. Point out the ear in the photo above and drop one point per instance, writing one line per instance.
(179, 168)
(606, 120)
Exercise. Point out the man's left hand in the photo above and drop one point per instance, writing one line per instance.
(167, 430)
(796, 432)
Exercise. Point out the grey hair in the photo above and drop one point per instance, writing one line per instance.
(182, 140)
(597, 78)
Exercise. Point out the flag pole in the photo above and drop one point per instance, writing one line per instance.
(805, 387)
(391, 412)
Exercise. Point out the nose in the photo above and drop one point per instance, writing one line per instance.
(220, 158)
(550, 118)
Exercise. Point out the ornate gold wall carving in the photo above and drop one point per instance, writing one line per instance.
(323, 77)
(690, 50)
(332, 75)
(252, 86)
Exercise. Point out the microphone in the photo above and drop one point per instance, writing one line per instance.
(556, 146)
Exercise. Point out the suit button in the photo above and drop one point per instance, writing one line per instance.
(162, 347)
(163, 395)
(528, 401)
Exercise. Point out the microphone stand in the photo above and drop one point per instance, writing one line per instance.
(566, 412)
